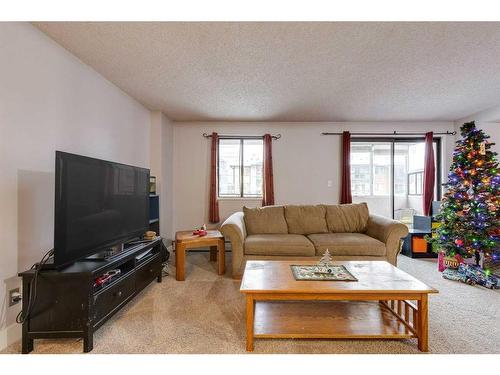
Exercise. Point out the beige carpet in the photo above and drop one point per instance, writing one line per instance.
(205, 314)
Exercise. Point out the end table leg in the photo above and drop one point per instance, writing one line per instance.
(180, 260)
(213, 253)
(423, 329)
(221, 257)
(250, 321)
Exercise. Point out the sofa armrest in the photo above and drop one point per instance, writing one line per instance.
(234, 229)
(388, 231)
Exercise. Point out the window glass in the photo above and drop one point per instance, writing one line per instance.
(420, 177)
(370, 169)
(374, 179)
(240, 167)
(381, 169)
(361, 155)
(400, 169)
(229, 167)
(253, 155)
(412, 186)
(416, 157)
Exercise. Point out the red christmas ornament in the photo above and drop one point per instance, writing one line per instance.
(459, 242)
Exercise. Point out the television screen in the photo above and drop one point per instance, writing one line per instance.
(98, 204)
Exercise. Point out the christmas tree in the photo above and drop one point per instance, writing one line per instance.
(469, 213)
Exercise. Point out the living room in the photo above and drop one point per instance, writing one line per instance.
(244, 187)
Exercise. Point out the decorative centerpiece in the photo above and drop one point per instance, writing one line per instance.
(324, 270)
(200, 232)
(325, 264)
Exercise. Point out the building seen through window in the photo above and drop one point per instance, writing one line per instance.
(240, 167)
(388, 176)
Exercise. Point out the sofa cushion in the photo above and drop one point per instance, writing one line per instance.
(351, 244)
(306, 219)
(265, 220)
(347, 218)
(278, 244)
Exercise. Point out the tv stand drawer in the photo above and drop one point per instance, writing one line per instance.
(147, 272)
(109, 300)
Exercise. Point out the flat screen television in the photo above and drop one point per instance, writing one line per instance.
(98, 204)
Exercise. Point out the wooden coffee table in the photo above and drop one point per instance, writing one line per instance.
(185, 240)
(385, 303)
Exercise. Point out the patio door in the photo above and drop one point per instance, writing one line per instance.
(387, 173)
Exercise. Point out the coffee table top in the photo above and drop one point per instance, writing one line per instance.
(373, 277)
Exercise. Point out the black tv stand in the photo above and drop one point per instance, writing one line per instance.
(68, 304)
(100, 259)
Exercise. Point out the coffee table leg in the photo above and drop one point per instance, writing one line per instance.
(180, 260)
(423, 329)
(221, 257)
(250, 321)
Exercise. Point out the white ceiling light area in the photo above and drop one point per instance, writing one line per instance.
(295, 71)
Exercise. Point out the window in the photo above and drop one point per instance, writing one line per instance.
(415, 183)
(370, 169)
(240, 167)
(416, 158)
(387, 174)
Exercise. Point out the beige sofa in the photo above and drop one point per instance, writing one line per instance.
(348, 231)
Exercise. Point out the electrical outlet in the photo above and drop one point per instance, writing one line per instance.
(14, 297)
(329, 183)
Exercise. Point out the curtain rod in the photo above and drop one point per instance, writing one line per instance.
(393, 133)
(277, 136)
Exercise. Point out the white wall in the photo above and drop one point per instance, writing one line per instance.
(162, 138)
(304, 161)
(50, 101)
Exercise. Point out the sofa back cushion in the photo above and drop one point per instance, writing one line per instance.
(265, 220)
(306, 219)
(347, 218)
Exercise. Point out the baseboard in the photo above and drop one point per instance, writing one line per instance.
(10, 335)
(204, 250)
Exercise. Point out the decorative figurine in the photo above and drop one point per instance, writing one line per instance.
(149, 235)
(202, 231)
(325, 263)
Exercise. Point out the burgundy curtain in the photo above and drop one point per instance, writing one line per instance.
(345, 188)
(429, 174)
(213, 209)
(268, 193)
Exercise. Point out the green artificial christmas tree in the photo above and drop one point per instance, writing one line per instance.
(469, 213)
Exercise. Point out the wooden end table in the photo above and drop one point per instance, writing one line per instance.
(377, 306)
(185, 240)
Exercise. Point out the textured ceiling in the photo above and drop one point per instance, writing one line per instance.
(286, 71)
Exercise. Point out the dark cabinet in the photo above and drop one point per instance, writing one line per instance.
(69, 304)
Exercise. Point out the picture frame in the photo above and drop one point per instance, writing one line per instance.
(152, 185)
